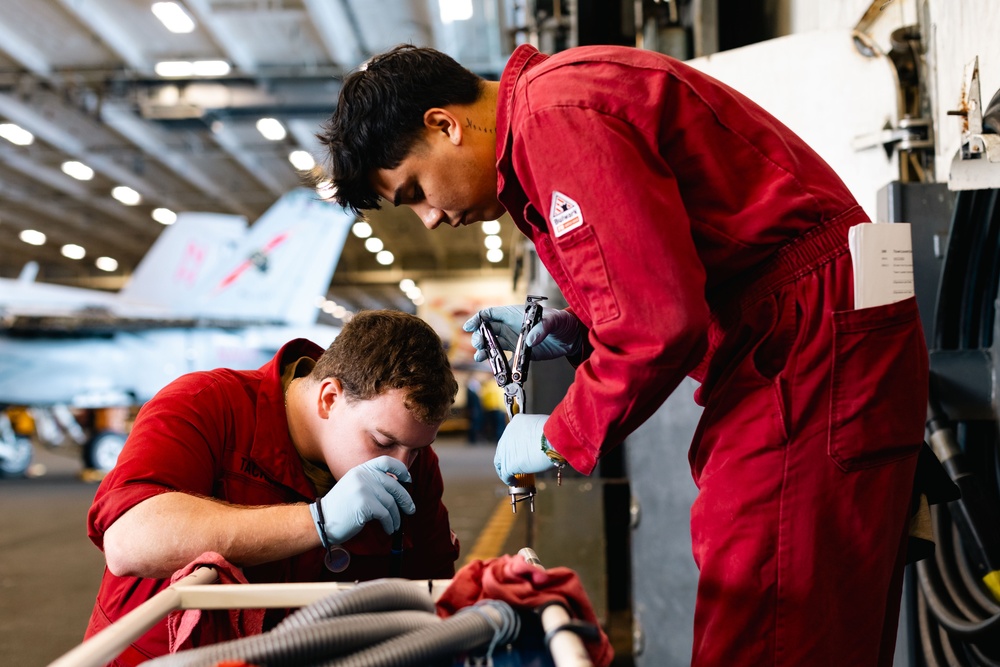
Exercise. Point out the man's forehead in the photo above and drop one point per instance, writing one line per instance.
(386, 182)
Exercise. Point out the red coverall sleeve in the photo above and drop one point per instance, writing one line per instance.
(170, 448)
(630, 270)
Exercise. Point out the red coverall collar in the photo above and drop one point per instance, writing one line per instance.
(524, 56)
(282, 463)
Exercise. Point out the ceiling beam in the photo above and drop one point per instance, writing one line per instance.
(23, 51)
(228, 140)
(147, 137)
(339, 31)
(103, 23)
(228, 39)
(31, 119)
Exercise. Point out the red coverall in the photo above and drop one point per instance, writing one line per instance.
(692, 233)
(224, 434)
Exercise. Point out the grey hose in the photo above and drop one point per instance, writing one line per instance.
(304, 645)
(378, 595)
(486, 624)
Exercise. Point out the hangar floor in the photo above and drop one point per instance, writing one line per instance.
(50, 571)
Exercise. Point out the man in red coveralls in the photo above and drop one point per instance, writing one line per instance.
(253, 465)
(693, 234)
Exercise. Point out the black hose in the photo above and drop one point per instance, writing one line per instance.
(379, 595)
(486, 624)
(304, 645)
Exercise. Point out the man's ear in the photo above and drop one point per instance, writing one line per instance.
(442, 121)
(330, 391)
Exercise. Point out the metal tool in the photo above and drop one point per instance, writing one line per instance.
(510, 376)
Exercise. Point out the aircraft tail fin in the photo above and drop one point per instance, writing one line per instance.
(210, 266)
(169, 277)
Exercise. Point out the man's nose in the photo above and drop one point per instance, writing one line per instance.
(429, 215)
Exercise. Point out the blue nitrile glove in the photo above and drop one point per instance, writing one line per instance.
(367, 492)
(558, 334)
(520, 448)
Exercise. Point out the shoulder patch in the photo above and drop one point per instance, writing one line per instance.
(564, 214)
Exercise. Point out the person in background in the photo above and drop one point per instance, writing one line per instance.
(691, 233)
(474, 408)
(495, 410)
(267, 467)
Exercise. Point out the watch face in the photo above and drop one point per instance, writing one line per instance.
(337, 558)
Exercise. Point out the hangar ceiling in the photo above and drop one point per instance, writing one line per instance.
(81, 78)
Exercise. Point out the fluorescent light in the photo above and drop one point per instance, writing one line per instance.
(455, 10)
(16, 134)
(494, 255)
(374, 244)
(126, 195)
(271, 128)
(173, 17)
(384, 257)
(210, 67)
(325, 190)
(361, 229)
(491, 227)
(406, 284)
(302, 160)
(77, 170)
(185, 68)
(493, 242)
(32, 237)
(73, 251)
(174, 68)
(164, 216)
(106, 263)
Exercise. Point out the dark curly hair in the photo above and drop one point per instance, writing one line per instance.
(380, 115)
(379, 350)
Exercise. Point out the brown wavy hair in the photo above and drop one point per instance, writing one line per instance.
(380, 350)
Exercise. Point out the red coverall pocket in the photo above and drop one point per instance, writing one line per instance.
(582, 255)
(878, 392)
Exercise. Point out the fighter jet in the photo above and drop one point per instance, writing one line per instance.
(212, 292)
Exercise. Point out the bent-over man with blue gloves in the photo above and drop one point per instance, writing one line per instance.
(316, 456)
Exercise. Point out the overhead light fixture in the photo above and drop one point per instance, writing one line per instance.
(494, 255)
(173, 16)
(384, 257)
(183, 69)
(164, 216)
(77, 170)
(406, 284)
(32, 237)
(16, 134)
(419, 301)
(106, 263)
(271, 128)
(302, 160)
(493, 241)
(126, 195)
(361, 229)
(491, 227)
(455, 10)
(73, 251)
(325, 190)
(374, 244)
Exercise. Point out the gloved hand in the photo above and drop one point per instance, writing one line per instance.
(558, 334)
(520, 448)
(367, 492)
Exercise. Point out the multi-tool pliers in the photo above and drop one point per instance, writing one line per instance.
(511, 376)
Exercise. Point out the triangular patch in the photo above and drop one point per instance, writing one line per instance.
(564, 215)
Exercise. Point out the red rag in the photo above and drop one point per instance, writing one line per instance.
(188, 628)
(524, 586)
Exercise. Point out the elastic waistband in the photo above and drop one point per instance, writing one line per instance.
(797, 258)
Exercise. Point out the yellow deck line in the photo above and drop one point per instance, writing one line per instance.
(494, 534)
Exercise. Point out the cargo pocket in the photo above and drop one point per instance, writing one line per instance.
(878, 393)
(582, 255)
